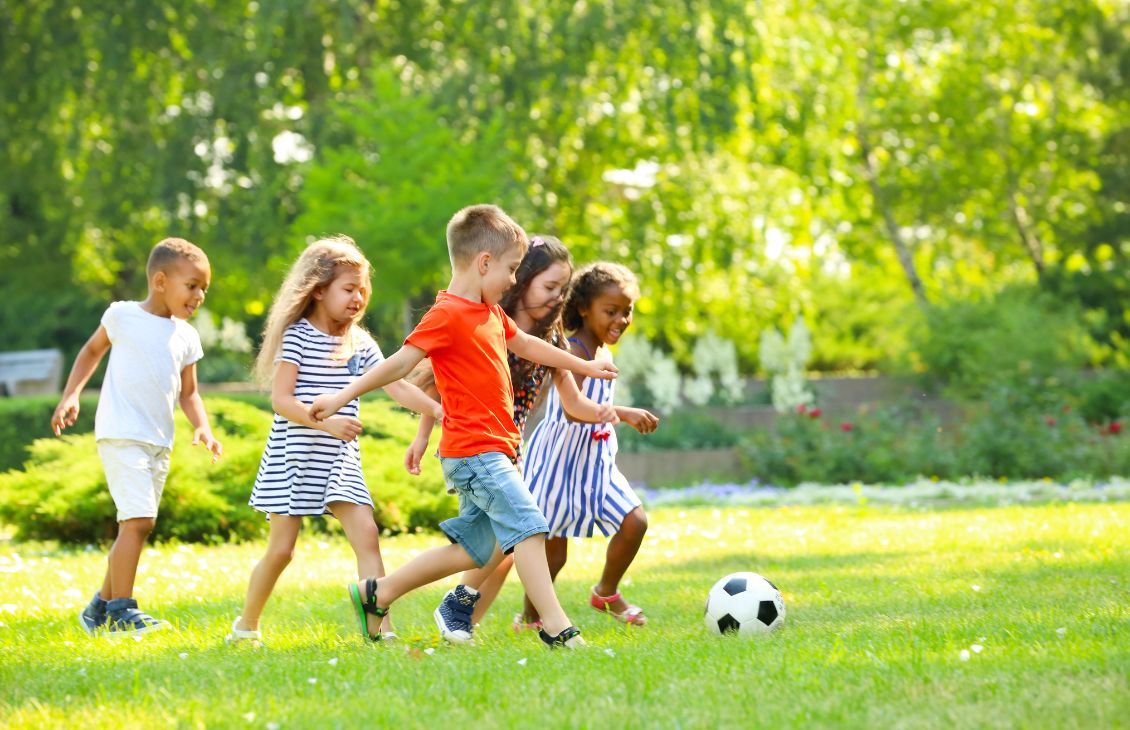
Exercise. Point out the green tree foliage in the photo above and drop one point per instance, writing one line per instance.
(851, 162)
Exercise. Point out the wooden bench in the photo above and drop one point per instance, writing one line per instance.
(31, 372)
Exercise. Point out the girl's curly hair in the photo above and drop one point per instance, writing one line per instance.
(590, 282)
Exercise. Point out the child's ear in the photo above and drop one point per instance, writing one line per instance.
(159, 281)
(483, 261)
(319, 294)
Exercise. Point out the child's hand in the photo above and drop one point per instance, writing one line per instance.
(345, 428)
(324, 406)
(437, 413)
(603, 369)
(203, 435)
(66, 413)
(415, 455)
(607, 414)
(641, 420)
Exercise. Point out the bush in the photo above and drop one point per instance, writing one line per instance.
(1013, 435)
(686, 428)
(27, 418)
(61, 491)
(1020, 338)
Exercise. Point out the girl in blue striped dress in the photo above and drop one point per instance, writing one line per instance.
(312, 344)
(571, 467)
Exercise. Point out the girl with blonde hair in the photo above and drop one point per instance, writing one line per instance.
(313, 343)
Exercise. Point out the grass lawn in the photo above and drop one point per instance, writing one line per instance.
(882, 601)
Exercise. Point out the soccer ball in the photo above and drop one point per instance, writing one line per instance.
(744, 604)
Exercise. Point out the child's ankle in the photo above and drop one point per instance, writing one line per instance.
(246, 624)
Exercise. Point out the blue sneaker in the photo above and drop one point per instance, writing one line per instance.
(125, 619)
(453, 616)
(93, 617)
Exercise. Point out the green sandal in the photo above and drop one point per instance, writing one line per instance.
(368, 606)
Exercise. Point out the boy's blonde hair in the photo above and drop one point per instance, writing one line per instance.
(170, 250)
(479, 228)
(590, 282)
(317, 267)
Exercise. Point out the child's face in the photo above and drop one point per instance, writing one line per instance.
(343, 300)
(608, 315)
(498, 275)
(183, 286)
(546, 290)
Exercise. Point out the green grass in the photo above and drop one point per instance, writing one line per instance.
(881, 602)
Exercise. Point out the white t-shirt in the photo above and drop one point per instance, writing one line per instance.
(142, 382)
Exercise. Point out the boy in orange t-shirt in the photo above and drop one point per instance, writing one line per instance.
(466, 335)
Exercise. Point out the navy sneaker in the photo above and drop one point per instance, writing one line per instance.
(93, 617)
(453, 616)
(124, 619)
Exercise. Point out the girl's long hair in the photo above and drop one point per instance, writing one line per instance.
(544, 251)
(317, 267)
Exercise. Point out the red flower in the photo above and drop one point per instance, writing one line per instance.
(845, 427)
(1049, 420)
(801, 409)
(1114, 428)
(816, 413)
(1067, 408)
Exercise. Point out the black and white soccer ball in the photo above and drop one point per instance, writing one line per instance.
(745, 604)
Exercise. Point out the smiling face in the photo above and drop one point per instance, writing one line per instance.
(608, 315)
(343, 300)
(498, 272)
(546, 290)
(182, 286)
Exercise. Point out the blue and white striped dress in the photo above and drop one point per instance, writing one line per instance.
(573, 475)
(303, 469)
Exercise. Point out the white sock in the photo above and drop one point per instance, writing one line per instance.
(470, 590)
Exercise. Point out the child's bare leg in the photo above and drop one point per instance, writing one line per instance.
(124, 556)
(427, 567)
(488, 581)
(529, 559)
(556, 554)
(361, 531)
(622, 550)
(280, 551)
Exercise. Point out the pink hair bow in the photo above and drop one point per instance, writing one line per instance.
(536, 241)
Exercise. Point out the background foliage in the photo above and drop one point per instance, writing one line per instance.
(860, 164)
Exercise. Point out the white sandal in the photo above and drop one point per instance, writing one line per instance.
(238, 635)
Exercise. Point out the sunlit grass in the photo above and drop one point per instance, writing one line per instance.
(882, 603)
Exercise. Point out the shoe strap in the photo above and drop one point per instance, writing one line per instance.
(606, 599)
(370, 604)
(560, 640)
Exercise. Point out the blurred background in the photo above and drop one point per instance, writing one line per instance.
(934, 193)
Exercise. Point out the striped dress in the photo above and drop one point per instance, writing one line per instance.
(303, 469)
(571, 470)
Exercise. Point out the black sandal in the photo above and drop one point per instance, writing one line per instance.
(367, 606)
(554, 642)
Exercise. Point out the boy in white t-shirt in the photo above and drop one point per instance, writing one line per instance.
(153, 354)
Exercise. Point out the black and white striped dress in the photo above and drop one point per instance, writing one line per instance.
(303, 470)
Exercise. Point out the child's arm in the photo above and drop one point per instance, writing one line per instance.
(579, 408)
(193, 406)
(66, 413)
(391, 370)
(413, 398)
(286, 405)
(639, 419)
(419, 445)
(538, 350)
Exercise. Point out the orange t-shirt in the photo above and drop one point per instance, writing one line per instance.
(466, 342)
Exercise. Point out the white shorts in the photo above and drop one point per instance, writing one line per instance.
(136, 473)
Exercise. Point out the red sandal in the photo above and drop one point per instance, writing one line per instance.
(632, 614)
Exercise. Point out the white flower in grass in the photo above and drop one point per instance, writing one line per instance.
(1061, 631)
(332, 662)
(183, 655)
(521, 662)
(976, 588)
(68, 643)
(964, 655)
(609, 652)
(272, 726)
(249, 716)
(977, 648)
(312, 680)
(429, 651)
(72, 593)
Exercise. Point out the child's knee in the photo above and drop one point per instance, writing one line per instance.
(636, 520)
(280, 554)
(137, 526)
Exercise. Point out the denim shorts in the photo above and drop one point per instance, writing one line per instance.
(494, 505)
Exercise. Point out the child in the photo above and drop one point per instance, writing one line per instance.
(466, 335)
(313, 344)
(535, 305)
(571, 467)
(153, 354)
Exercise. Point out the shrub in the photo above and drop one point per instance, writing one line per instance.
(61, 491)
(686, 428)
(27, 418)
